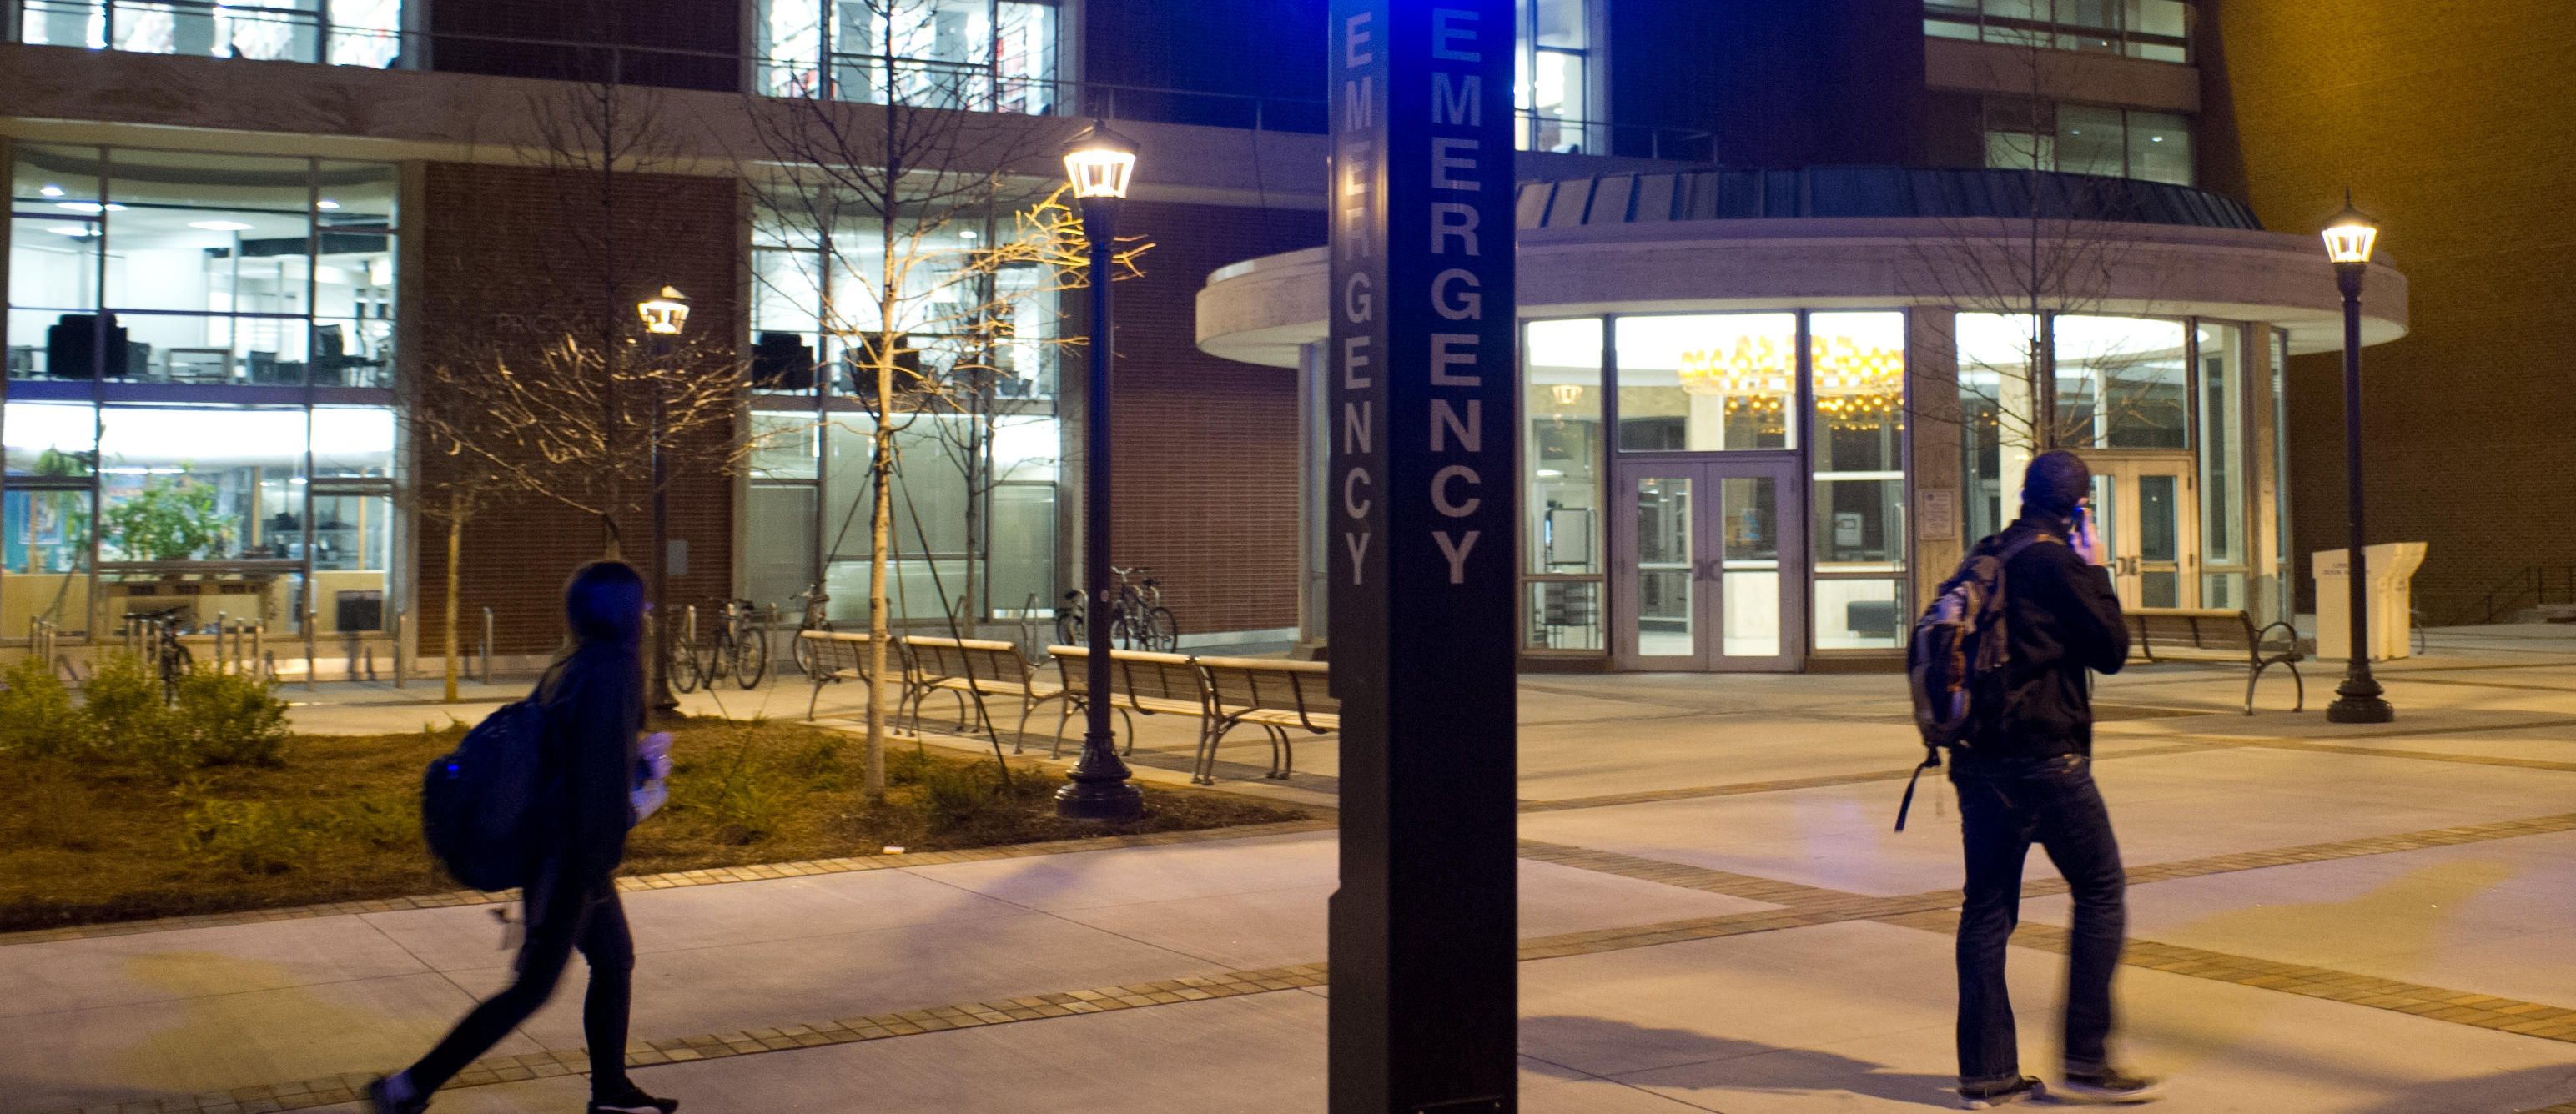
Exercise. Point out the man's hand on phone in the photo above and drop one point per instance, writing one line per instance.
(2088, 544)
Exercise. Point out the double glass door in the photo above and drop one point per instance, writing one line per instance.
(2148, 515)
(1707, 588)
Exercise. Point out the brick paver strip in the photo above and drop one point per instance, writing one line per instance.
(332, 1090)
(1801, 906)
(1652, 796)
(709, 876)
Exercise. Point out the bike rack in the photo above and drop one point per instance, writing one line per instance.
(487, 645)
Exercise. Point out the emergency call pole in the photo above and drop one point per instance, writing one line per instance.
(1421, 374)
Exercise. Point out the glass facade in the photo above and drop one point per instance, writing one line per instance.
(2022, 134)
(211, 269)
(339, 32)
(1561, 402)
(978, 55)
(1554, 91)
(2159, 30)
(1857, 371)
(2224, 482)
(200, 423)
(1708, 382)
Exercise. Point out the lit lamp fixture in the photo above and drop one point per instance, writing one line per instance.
(1098, 163)
(2348, 242)
(666, 313)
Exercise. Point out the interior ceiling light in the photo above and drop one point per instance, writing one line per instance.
(89, 207)
(327, 203)
(70, 230)
(51, 191)
(219, 225)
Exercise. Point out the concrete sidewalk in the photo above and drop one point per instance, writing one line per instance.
(1715, 916)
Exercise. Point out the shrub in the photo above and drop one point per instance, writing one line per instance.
(955, 794)
(228, 719)
(122, 700)
(37, 717)
(254, 837)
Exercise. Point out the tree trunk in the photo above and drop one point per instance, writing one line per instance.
(880, 534)
(455, 546)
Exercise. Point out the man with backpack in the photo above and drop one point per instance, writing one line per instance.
(562, 779)
(2030, 610)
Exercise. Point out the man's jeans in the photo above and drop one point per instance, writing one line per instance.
(2004, 807)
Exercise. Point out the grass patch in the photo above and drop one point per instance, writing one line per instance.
(86, 838)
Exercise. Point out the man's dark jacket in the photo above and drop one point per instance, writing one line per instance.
(2061, 618)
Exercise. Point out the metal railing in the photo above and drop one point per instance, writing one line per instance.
(2526, 587)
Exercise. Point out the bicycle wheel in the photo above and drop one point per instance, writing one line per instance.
(682, 667)
(711, 668)
(1163, 632)
(751, 658)
(804, 651)
(176, 661)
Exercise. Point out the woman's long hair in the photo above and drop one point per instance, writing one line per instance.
(604, 605)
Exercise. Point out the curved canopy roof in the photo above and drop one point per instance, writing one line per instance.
(1871, 191)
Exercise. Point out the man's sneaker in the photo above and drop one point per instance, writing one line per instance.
(1985, 1095)
(378, 1102)
(634, 1101)
(2109, 1086)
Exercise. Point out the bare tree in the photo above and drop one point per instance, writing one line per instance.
(557, 399)
(2071, 251)
(925, 204)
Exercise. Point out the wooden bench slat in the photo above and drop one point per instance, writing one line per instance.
(2214, 635)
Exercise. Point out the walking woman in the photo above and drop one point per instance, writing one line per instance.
(591, 784)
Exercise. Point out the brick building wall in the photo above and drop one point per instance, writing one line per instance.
(507, 255)
(2451, 124)
(1205, 472)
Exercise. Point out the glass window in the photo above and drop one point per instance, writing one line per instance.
(361, 32)
(2160, 147)
(784, 446)
(353, 442)
(2282, 574)
(183, 483)
(215, 268)
(50, 439)
(1561, 453)
(939, 509)
(2153, 29)
(2223, 482)
(2120, 383)
(1857, 365)
(1553, 80)
(1707, 382)
(780, 549)
(979, 55)
(1995, 388)
(2090, 140)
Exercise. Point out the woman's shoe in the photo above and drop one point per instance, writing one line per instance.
(634, 1101)
(380, 1102)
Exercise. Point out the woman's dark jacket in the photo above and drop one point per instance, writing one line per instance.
(594, 711)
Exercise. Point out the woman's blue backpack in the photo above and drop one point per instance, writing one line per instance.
(477, 802)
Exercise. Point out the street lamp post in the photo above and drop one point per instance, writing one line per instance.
(1099, 162)
(664, 315)
(2348, 243)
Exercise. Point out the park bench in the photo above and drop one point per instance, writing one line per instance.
(2158, 634)
(842, 656)
(972, 668)
(1268, 693)
(1140, 682)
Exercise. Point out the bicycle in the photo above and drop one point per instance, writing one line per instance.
(813, 599)
(741, 648)
(682, 668)
(170, 659)
(1137, 618)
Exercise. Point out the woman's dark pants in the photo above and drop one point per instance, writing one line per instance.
(561, 917)
(2004, 807)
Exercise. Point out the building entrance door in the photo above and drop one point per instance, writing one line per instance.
(2148, 512)
(1709, 572)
